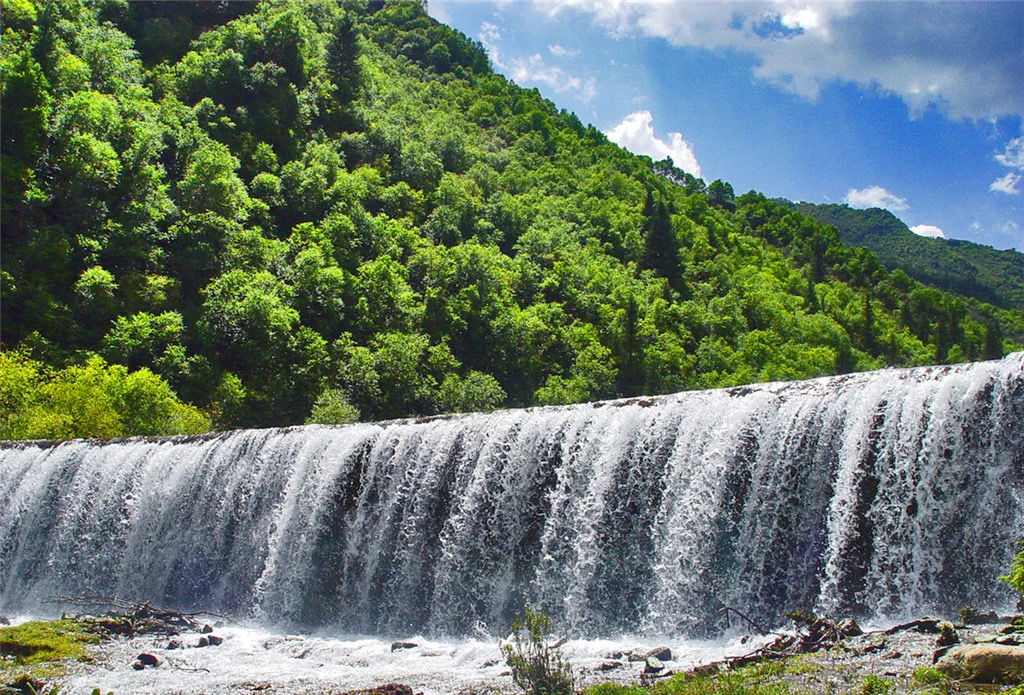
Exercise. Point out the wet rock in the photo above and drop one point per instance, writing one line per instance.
(1012, 639)
(215, 641)
(393, 689)
(609, 666)
(614, 655)
(147, 659)
(4, 620)
(26, 685)
(969, 616)
(489, 663)
(396, 646)
(947, 635)
(987, 637)
(204, 642)
(207, 629)
(984, 663)
(175, 644)
(652, 664)
(849, 628)
(892, 655)
(662, 653)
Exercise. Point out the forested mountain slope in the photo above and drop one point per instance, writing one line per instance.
(969, 269)
(307, 207)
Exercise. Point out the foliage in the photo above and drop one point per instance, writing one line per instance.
(969, 269)
(395, 223)
(745, 681)
(89, 400)
(537, 668)
(332, 408)
(873, 685)
(1015, 577)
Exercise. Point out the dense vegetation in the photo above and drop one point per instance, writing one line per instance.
(289, 208)
(968, 269)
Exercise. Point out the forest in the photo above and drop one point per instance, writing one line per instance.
(222, 215)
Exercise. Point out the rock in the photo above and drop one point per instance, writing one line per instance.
(175, 644)
(1008, 629)
(4, 620)
(849, 628)
(969, 616)
(892, 655)
(1011, 639)
(652, 664)
(661, 653)
(938, 654)
(204, 642)
(984, 663)
(987, 637)
(705, 670)
(609, 666)
(489, 663)
(215, 641)
(147, 659)
(393, 689)
(947, 635)
(395, 646)
(614, 655)
(207, 629)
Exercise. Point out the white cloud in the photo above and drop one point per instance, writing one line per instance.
(1013, 155)
(562, 51)
(928, 230)
(636, 134)
(532, 69)
(875, 197)
(963, 57)
(1006, 184)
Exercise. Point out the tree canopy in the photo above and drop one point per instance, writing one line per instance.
(316, 211)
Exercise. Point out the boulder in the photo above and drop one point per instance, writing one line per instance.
(984, 663)
(849, 628)
(661, 653)
(609, 665)
(4, 620)
(175, 644)
(147, 659)
(215, 641)
(207, 629)
(652, 664)
(396, 646)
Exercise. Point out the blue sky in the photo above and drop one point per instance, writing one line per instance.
(912, 106)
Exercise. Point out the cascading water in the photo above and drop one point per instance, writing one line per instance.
(881, 495)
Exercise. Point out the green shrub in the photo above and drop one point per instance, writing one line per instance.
(1015, 577)
(537, 668)
(333, 408)
(873, 685)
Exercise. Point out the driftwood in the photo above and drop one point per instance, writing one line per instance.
(130, 618)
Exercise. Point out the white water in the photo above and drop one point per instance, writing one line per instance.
(293, 664)
(879, 495)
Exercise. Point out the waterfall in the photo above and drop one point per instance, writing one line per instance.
(877, 495)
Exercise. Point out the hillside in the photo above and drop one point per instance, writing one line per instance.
(968, 269)
(300, 211)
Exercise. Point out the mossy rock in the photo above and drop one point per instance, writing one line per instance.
(37, 642)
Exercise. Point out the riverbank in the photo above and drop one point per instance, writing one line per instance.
(233, 660)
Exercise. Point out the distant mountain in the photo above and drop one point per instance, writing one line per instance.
(969, 269)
